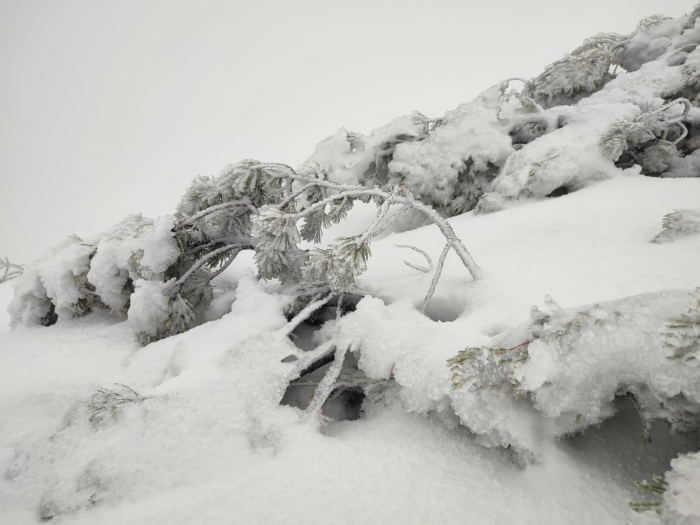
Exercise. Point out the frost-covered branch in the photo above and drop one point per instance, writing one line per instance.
(415, 266)
(306, 312)
(436, 278)
(245, 203)
(209, 257)
(325, 387)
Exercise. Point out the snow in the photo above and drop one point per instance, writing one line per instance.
(536, 394)
(135, 248)
(210, 442)
(54, 277)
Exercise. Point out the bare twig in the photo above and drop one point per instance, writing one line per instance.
(306, 312)
(436, 278)
(325, 387)
(11, 270)
(209, 257)
(415, 266)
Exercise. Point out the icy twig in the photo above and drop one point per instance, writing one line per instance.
(436, 278)
(339, 306)
(415, 266)
(11, 270)
(306, 312)
(244, 203)
(391, 219)
(325, 387)
(209, 257)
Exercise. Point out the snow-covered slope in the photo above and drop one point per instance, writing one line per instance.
(206, 440)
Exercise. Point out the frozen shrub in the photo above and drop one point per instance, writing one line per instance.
(649, 139)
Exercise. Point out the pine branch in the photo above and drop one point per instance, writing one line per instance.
(208, 257)
(244, 203)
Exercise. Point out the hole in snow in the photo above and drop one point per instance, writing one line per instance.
(289, 359)
(616, 446)
(443, 310)
(303, 336)
(344, 403)
(559, 192)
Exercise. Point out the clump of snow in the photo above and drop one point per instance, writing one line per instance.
(55, 280)
(567, 158)
(679, 504)
(455, 164)
(135, 248)
(149, 305)
(346, 157)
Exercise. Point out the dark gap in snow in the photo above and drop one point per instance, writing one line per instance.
(50, 318)
(559, 192)
(303, 335)
(442, 310)
(345, 401)
(617, 449)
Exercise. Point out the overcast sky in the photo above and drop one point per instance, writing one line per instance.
(111, 107)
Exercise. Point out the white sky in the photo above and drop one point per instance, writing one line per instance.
(111, 107)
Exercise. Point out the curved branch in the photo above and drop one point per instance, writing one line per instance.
(293, 195)
(380, 216)
(212, 209)
(391, 219)
(209, 257)
(424, 254)
(347, 190)
(452, 239)
(306, 312)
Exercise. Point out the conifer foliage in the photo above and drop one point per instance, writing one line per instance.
(158, 272)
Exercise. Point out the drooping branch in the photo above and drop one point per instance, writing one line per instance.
(401, 195)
